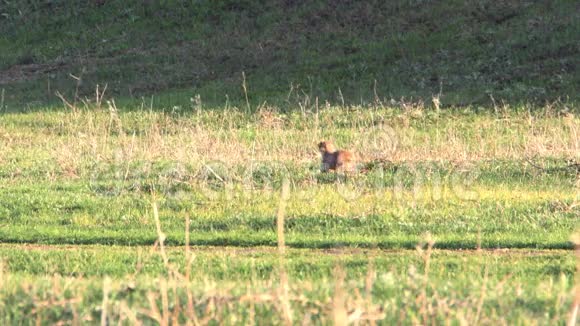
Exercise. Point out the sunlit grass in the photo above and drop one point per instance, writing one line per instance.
(77, 192)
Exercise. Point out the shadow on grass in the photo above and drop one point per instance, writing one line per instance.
(300, 241)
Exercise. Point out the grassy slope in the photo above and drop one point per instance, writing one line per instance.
(514, 50)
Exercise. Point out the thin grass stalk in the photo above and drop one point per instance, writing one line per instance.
(105, 303)
(576, 304)
(284, 285)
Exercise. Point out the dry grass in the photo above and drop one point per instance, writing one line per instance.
(72, 142)
(183, 299)
(67, 145)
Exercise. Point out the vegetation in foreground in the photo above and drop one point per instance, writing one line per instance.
(253, 286)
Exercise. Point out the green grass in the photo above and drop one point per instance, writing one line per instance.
(291, 52)
(317, 217)
(516, 286)
(79, 233)
(261, 263)
(491, 166)
(88, 178)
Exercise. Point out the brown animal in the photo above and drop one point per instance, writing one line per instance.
(334, 160)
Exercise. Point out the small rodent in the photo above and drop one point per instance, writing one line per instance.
(334, 160)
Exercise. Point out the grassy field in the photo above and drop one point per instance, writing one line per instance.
(232, 285)
(454, 215)
(158, 162)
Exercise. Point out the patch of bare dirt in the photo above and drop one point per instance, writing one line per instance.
(26, 72)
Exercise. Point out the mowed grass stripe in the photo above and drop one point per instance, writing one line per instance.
(317, 217)
(232, 263)
(449, 240)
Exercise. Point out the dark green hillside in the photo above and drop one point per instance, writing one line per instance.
(517, 51)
